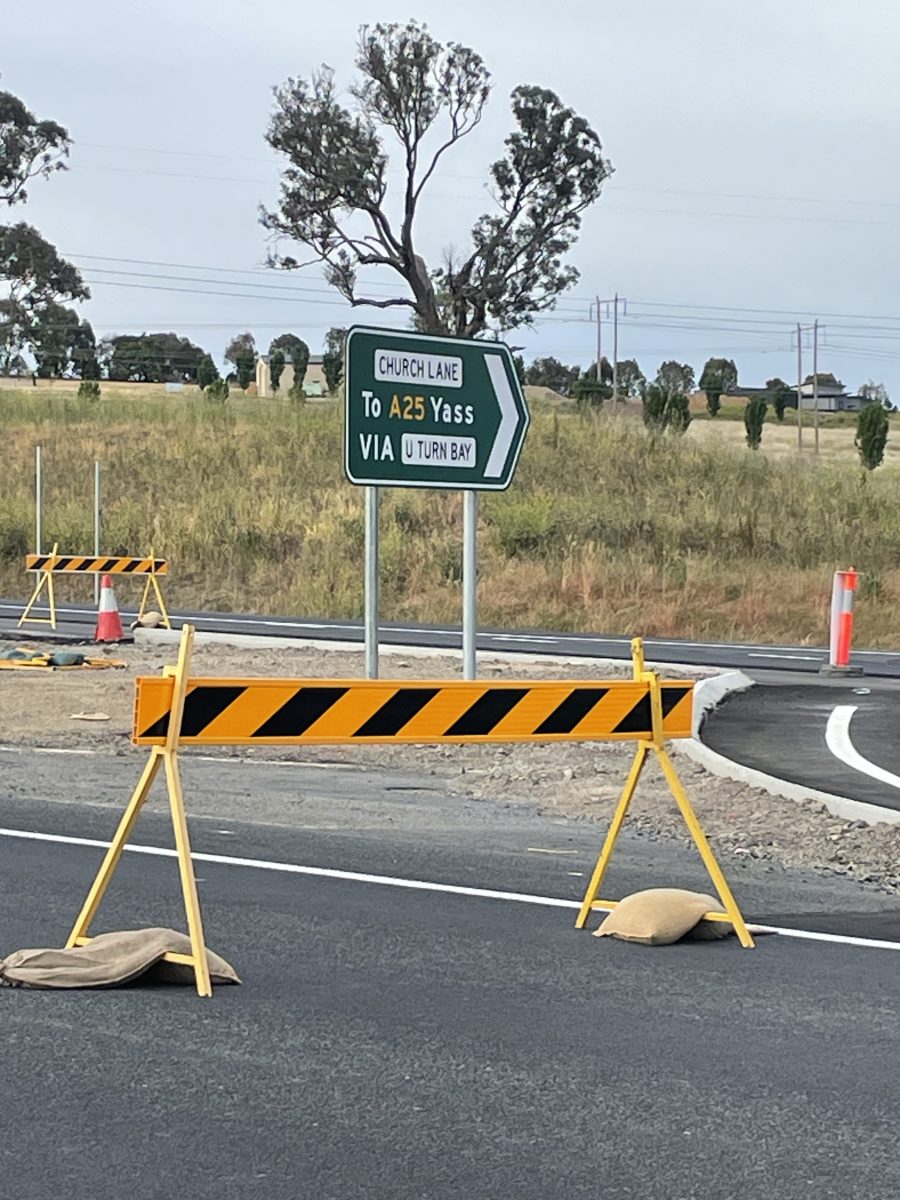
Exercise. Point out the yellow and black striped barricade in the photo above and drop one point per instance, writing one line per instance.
(175, 710)
(48, 565)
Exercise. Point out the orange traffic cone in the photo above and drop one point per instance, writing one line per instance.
(109, 624)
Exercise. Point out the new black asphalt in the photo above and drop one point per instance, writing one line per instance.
(781, 731)
(409, 1045)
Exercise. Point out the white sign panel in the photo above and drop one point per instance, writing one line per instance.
(429, 370)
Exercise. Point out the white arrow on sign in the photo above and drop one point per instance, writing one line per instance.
(509, 417)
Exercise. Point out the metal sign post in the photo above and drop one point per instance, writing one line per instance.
(469, 582)
(429, 412)
(371, 583)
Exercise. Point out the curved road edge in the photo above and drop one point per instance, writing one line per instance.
(708, 695)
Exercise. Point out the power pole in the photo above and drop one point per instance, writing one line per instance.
(596, 309)
(799, 387)
(816, 383)
(599, 338)
(616, 341)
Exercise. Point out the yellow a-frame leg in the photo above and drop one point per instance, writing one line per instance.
(657, 744)
(153, 581)
(166, 756)
(45, 578)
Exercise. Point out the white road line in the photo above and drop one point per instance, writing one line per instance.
(418, 885)
(792, 657)
(837, 739)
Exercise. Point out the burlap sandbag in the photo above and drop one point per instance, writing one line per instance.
(109, 960)
(660, 916)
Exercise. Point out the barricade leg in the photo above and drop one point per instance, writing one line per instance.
(45, 579)
(79, 934)
(723, 891)
(153, 582)
(619, 815)
(188, 880)
(167, 756)
(657, 744)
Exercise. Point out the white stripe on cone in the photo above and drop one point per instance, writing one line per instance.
(109, 624)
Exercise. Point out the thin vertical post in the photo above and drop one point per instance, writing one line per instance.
(470, 582)
(615, 365)
(96, 527)
(599, 341)
(799, 387)
(38, 514)
(816, 383)
(371, 583)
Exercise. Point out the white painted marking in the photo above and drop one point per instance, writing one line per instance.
(837, 739)
(259, 864)
(791, 657)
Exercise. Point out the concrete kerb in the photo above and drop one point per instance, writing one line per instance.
(253, 641)
(708, 695)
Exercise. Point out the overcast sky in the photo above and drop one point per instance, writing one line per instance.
(757, 177)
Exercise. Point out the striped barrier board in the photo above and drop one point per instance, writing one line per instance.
(252, 712)
(95, 564)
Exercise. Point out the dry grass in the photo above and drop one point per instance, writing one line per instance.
(603, 529)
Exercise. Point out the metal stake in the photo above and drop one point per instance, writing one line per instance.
(96, 527)
(37, 501)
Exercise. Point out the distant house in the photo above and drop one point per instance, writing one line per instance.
(833, 396)
(313, 381)
(739, 394)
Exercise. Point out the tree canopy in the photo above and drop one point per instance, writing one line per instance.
(719, 374)
(425, 97)
(287, 347)
(62, 341)
(151, 358)
(333, 358)
(29, 149)
(34, 279)
(674, 376)
(549, 372)
(875, 393)
(630, 377)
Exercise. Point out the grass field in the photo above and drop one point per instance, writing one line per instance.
(604, 528)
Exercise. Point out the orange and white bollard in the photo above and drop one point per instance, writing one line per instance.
(109, 623)
(842, 592)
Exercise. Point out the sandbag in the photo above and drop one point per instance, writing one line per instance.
(660, 916)
(109, 960)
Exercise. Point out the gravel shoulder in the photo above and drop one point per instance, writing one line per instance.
(580, 781)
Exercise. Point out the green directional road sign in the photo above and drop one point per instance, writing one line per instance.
(430, 411)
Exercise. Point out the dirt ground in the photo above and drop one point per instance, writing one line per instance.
(578, 780)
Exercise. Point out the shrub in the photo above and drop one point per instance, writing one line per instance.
(89, 389)
(871, 436)
(754, 417)
(218, 390)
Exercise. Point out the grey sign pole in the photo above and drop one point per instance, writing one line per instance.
(37, 500)
(371, 603)
(469, 582)
(96, 527)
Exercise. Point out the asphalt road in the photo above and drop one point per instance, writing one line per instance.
(78, 622)
(783, 731)
(411, 1045)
